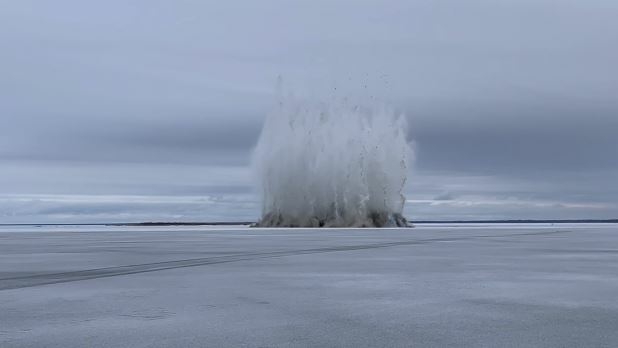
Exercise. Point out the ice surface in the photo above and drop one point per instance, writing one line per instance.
(478, 286)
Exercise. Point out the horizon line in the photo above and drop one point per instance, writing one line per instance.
(223, 223)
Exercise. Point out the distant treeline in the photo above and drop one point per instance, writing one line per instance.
(231, 223)
(555, 221)
(223, 223)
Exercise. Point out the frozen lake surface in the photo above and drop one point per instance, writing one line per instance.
(430, 286)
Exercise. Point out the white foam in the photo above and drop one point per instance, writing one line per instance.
(333, 163)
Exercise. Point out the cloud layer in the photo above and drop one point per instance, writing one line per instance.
(512, 105)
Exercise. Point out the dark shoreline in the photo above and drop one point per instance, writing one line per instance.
(232, 223)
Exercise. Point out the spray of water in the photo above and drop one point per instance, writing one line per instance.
(331, 164)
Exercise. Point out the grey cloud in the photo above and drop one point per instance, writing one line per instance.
(444, 196)
(517, 140)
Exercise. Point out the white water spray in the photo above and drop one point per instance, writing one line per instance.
(332, 164)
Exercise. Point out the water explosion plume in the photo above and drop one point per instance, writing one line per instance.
(332, 164)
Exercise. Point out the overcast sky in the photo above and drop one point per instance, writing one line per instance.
(148, 110)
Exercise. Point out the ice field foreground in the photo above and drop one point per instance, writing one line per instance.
(431, 286)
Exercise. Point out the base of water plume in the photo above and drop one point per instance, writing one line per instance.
(372, 220)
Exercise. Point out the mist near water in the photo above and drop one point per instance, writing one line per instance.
(332, 163)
